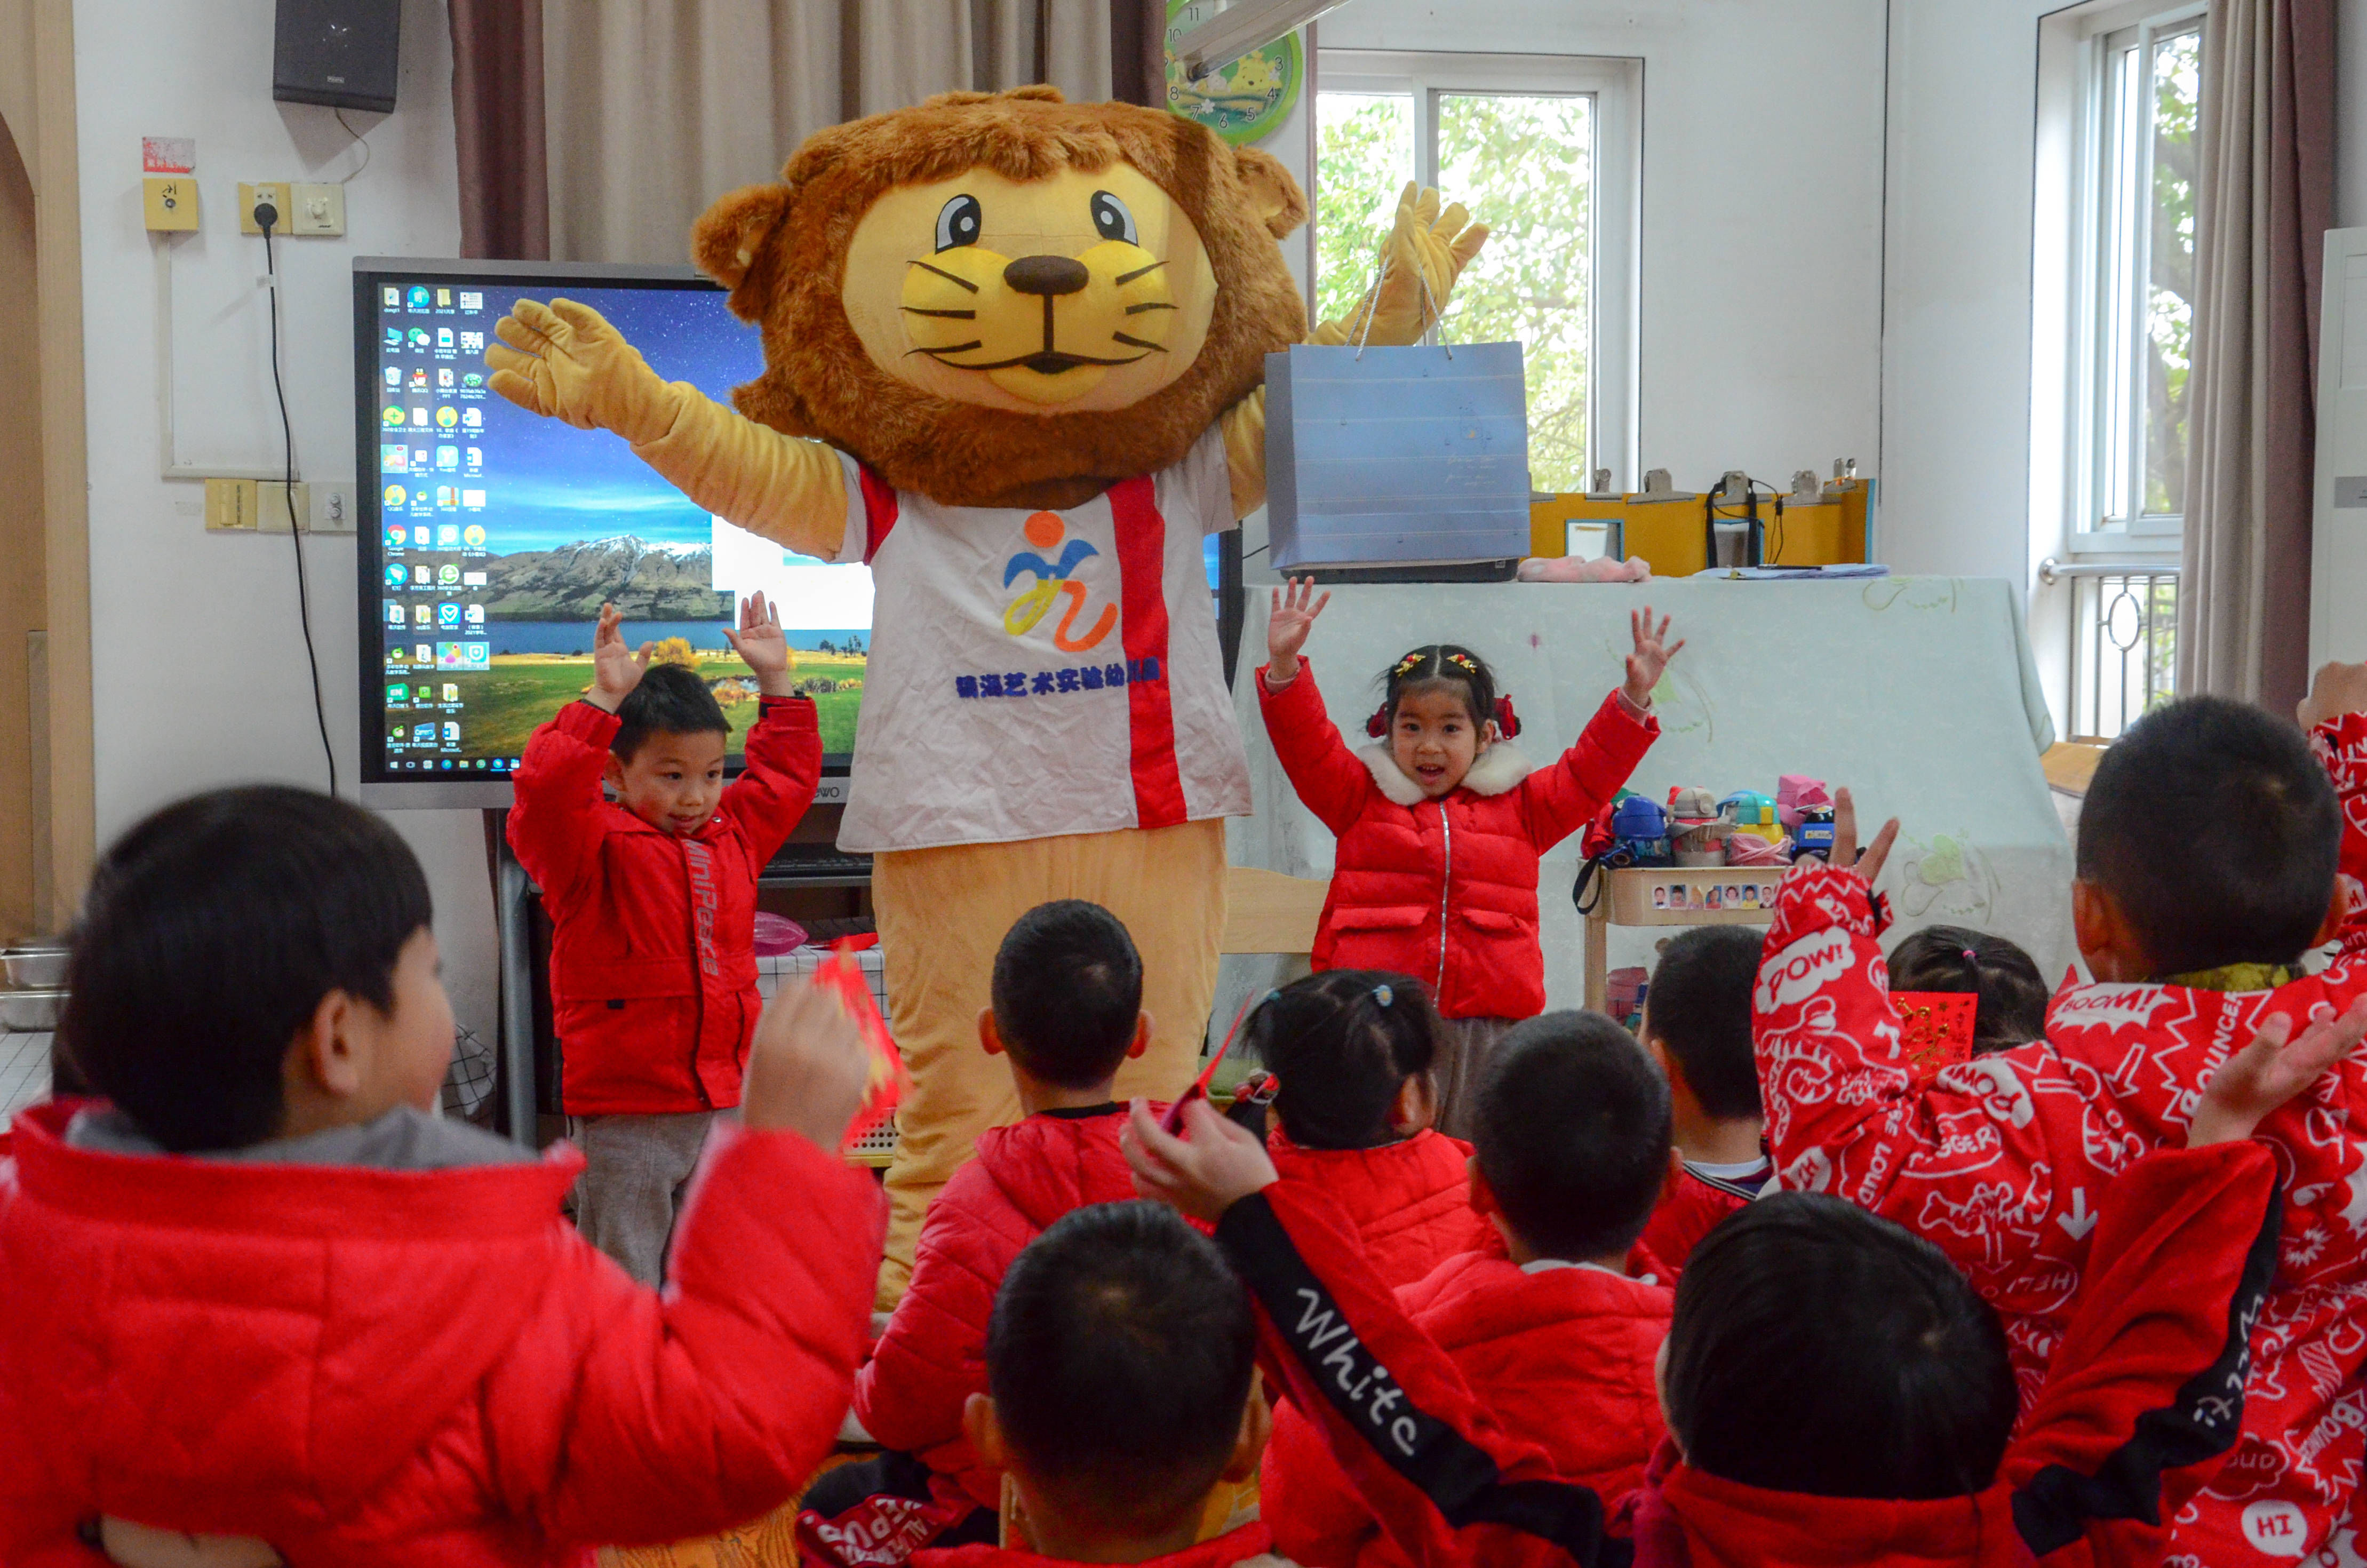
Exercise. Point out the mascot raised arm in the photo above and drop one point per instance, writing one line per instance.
(1014, 359)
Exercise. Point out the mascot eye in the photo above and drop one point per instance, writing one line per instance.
(957, 222)
(1111, 220)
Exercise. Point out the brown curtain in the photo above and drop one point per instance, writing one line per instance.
(2264, 195)
(497, 113)
(654, 109)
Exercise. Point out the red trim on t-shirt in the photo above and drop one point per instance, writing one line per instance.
(1142, 603)
(879, 511)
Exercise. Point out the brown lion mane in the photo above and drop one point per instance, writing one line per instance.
(781, 250)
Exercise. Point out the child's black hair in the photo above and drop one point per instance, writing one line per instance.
(1340, 1044)
(211, 932)
(672, 699)
(1954, 958)
(1439, 666)
(2215, 831)
(1818, 1348)
(1118, 1356)
(1068, 991)
(1573, 1133)
(1698, 1010)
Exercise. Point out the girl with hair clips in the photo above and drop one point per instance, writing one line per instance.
(2013, 994)
(1441, 822)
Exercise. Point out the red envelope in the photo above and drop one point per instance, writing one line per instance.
(841, 974)
(1935, 1029)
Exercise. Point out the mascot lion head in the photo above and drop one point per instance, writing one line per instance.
(1007, 298)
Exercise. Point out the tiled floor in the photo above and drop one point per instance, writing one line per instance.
(23, 1071)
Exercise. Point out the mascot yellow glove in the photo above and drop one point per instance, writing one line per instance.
(1424, 255)
(564, 361)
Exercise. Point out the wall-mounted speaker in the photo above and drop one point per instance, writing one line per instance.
(339, 52)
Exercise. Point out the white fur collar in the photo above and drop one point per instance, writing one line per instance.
(1493, 772)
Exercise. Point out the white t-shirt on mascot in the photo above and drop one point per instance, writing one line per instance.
(1033, 673)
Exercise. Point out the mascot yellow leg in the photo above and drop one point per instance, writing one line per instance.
(942, 915)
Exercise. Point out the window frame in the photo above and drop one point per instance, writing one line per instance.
(2091, 437)
(1616, 84)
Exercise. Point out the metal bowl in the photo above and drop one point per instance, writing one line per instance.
(34, 968)
(32, 1011)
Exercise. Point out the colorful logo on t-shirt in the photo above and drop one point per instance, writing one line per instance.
(1044, 530)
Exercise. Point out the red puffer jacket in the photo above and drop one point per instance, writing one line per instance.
(364, 1366)
(1691, 1211)
(1411, 1201)
(1561, 1357)
(1445, 891)
(932, 1357)
(652, 946)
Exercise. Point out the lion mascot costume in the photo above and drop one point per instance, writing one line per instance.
(1015, 361)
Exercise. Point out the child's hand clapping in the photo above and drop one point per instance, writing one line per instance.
(2337, 688)
(2263, 1077)
(615, 669)
(1222, 1164)
(1653, 652)
(808, 1067)
(1289, 620)
(761, 646)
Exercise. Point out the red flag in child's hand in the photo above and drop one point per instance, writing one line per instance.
(1935, 1029)
(841, 974)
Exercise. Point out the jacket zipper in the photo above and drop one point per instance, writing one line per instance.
(1445, 881)
(697, 980)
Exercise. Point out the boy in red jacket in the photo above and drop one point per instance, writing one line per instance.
(1350, 1051)
(269, 1294)
(652, 903)
(1552, 1336)
(1697, 1027)
(1067, 1012)
(1881, 1381)
(1119, 1396)
(2214, 849)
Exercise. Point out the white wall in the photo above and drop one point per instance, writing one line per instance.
(1761, 278)
(198, 663)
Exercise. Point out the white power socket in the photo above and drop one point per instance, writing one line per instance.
(332, 507)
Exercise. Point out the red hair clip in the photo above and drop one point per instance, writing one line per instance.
(1507, 724)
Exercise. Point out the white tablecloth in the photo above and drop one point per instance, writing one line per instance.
(1917, 692)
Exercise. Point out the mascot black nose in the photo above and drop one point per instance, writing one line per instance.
(1046, 275)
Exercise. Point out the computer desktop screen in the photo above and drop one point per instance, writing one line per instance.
(490, 536)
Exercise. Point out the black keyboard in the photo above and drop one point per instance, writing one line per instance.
(817, 860)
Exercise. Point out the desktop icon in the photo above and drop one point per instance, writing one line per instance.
(451, 731)
(442, 337)
(472, 299)
(395, 496)
(419, 415)
(472, 498)
(449, 575)
(472, 579)
(476, 615)
(473, 380)
(397, 536)
(474, 419)
(419, 533)
(419, 296)
(476, 459)
(423, 652)
(472, 342)
(393, 457)
(423, 576)
(394, 612)
(446, 417)
(422, 615)
(447, 495)
(447, 615)
(393, 338)
(423, 733)
(476, 655)
(473, 536)
(447, 536)
(392, 416)
(451, 692)
(397, 694)
(419, 460)
(396, 576)
(391, 297)
(444, 379)
(419, 337)
(418, 378)
(447, 456)
(443, 297)
(394, 375)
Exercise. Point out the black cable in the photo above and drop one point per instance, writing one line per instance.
(287, 497)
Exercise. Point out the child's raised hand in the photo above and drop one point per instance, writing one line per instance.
(1289, 620)
(1653, 652)
(615, 669)
(761, 644)
(1868, 865)
(808, 1067)
(2266, 1073)
(2337, 688)
(1221, 1163)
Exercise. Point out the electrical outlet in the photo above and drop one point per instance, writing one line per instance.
(169, 202)
(320, 211)
(332, 507)
(229, 506)
(272, 191)
(272, 513)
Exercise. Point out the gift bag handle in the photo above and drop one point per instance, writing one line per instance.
(1372, 308)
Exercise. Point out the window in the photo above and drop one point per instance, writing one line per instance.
(2141, 82)
(1542, 148)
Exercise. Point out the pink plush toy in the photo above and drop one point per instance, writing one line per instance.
(1568, 569)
